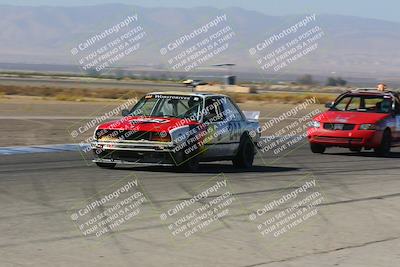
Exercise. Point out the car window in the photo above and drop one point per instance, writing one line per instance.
(181, 107)
(166, 108)
(373, 103)
(354, 104)
(169, 106)
(214, 110)
(397, 107)
(342, 104)
(231, 111)
(385, 106)
(144, 107)
(364, 103)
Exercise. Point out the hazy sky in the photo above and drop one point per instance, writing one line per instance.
(383, 9)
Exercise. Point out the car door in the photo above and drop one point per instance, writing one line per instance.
(236, 126)
(218, 128)
(396, 134)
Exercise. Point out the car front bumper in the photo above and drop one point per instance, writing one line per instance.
(342, 138)
(140, 152)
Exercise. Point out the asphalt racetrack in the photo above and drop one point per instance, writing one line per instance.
(356, 224)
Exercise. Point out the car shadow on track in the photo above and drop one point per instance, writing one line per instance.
(211, 168)
(365, 154)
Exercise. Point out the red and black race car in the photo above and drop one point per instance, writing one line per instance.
(362, 118)
(178, 129)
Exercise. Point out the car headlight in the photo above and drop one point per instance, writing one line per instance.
(314, 124)
(368, 126)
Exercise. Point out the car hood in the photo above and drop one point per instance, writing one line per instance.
(153, 124)
(350, 117)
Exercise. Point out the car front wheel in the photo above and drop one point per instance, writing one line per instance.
(316, 148)
(384, 149)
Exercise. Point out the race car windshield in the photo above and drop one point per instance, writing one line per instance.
(169, 106)
(364, 103)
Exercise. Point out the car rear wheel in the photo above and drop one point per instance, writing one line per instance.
(106, 165)
(384, 149)
(245, 156)
(316, 148)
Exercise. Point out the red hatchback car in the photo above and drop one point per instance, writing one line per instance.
(362, 118)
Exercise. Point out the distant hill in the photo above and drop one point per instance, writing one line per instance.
(351, 45)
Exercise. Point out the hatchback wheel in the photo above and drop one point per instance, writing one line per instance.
(384, 149)
(316, 148)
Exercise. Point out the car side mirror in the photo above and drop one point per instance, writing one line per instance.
(125, 112)
(329, 104)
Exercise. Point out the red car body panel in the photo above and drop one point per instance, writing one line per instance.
(350, 117)
(147, 124)
(353, 138)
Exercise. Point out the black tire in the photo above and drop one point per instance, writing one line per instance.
(245, 155)
(188, 162)
(191, 165)
(106, 165)
(316, 148)
(384, 149)
(355, 149)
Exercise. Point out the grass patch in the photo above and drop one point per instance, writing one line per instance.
(70, 94)
(282, 97)
(83, 94)
(64, 97)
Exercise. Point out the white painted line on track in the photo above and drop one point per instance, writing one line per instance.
(41, 149)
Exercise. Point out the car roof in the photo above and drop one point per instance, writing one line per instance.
(182, 93)
(370, 92)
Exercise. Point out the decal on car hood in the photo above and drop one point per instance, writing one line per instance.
(149, 120)
(153, 124)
